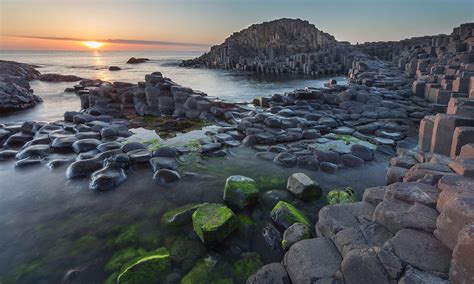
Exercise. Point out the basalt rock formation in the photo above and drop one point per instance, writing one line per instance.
(15, 91)
(279, 47)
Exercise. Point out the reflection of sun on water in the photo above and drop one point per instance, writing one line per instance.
(93, 44)
(102, 72)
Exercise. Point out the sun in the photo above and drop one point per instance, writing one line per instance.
(93, 44)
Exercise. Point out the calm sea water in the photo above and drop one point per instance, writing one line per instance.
(229, 85)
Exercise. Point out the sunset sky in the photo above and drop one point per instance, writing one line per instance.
(197, 24)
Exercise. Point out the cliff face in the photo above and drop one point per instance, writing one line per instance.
(280, 46)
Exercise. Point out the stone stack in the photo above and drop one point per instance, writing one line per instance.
(284, 46)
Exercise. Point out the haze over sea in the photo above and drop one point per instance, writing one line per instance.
(228, 85)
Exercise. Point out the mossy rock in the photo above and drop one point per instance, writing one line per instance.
(295, 233)
(245, 225)
(240, 191)
(208, 271)
(246, 266)
(179, 216)
(127, 236)
(341, 196)
(184, 252)
(213, 222)
(284, 214)
(122, 257)
(149, 269)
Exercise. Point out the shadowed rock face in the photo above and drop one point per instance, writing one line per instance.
(279, 46)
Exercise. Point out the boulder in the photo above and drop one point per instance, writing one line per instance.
(374, 195)
(462, 263)
(132, 146)
(421, 250)
(413, 275)
(351, 161)
(35, 150)
(83, 168)
(165, 151)
(362, 152)
(295, 233)
(179, 216)
(413, 192)
(334, 218)
(213, 222)
(309, 260)
(396, 215)
(107, 178)
(303, 187)
(134, 60)
(240, 191)
(273, 273)
(284, 215)
(395, 174)
(84, 145)
(166, 176)
(463, 167)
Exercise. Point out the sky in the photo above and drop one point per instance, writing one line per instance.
(197, 24)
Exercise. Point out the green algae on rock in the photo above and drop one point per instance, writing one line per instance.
(284, 214)
(179, 216)
(209, 271)
(240, 191)
(149, 269)
(213, 222)
(341, 196)
(246, 266)
(185, 251)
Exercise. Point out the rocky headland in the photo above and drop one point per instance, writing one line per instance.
(408, 104)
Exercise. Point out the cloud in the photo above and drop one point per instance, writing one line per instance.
(122, 41)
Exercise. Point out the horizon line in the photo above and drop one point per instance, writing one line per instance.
(119, 41)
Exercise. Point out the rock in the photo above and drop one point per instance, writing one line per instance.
(107, 146)
(139, 155)
(364, 266)
(416, 276)
(166, 176)
(35, 150)
(334, 218)
(58, 78)
(463, 167)
(213, 222)
(303, 187)
(211, 147)
(328, 167)
(310, 260)
(114, 68)
(179, 216)
(362, 152)
(396, 215)
(185, 251)
(395, 174)
(134, 60)
(30, 161)
(57, 163)
(165, 151)
(85, 145)
(374, 195)
(273, 273)
(295, 233)
(285, 159)
(403, 161)
(240, 191)
(132, 146)
(18, 139)
(462, 266)
(83, 168)
(284, 215)
(158, 163)
(149, 269)
(7, 154)
(351, 161)
(109, 133)
(63, 143)
(411, 192)
(107, 178)
(271, 197)
(421, 250)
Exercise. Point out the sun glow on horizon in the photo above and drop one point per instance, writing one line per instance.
(93, 44)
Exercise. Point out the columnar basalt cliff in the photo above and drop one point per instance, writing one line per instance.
(279, 47)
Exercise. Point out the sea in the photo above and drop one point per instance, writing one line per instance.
(233, 86)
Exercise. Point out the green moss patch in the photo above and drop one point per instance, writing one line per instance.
(213, 222)
(246, 266)
(167, 127)
(285, 215)
(208, 271)
(341, 196)
(185, 251)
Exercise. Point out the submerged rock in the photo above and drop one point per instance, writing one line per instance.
(179, 216)
(107, 178)
(83, 168)
(273, 273)
(213, 222)
(149, 269)
(240, 191)
(166, 176)
(35, 150)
